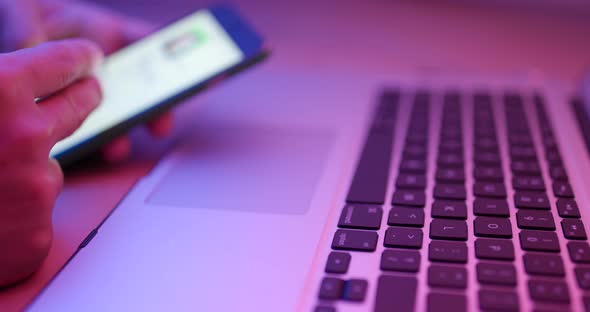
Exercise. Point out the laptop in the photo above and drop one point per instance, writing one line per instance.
(397, 193)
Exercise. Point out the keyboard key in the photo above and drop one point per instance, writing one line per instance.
(355, 290)
(489, 189)
(442, 251)
(451, 146)
(562, 189)
(404, 216)
(450, 175)
(531, 200)
(450, 160)
(493, 174)
(579, 252)
(523, 153)
(494, 300)
(324, 309)
(558, 173)
(448, 229)
(531, 240)
(492, 227)
(549, 291)
(543, 264)
(338, 262)
(447, 277)
(331, 288)
(567, 208)
(446, 302)
(531, 183)
(415, 151)
(402, 237)
(413, 166)
(496, 274)
(573, 229)
(494, 249)
(490, 207)
(400, 260)
(355, 240)
(357, 216)
(409, 198)
(449, 209)
(535, 220)
(396, 293)
(450, 191)
(487, 159)
(484, 144)
(583, 277)
(520, 167)
(408, 180)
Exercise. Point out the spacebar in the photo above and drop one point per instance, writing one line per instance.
(396, 293)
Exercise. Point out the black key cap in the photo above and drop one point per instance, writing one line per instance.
(415, 151)
(409, 198)
(567, 208)
(402, 237)
(579, 252)
(583, 277)
(530, 183)
(490, 207)
(400, 260)
(372, 173)
(496, 274)
(404, 216)
(494, 249)
(486, 144)
(408, 180)
(331, 288)
(525, 168)
(531, 200)
(358, 216)
(493, 174)
(487, 159)
(573, 229)
(338, 262)
(562, 189)
(489, 189)
(447, 277)
(413, 166)
(523, 153)
(558, 173)
(355, 240)
(535, 220)
(446, 302)
(448, 229)
(442, 251)
(450, 160)
(451, 146)
(355, 290)
(549, 291)
(450, 175)
(531, 240)
(494, 300)
(543, 264)
(449, 209)
(396, 293)
(450, 191)
(492, 227)
(553, 157)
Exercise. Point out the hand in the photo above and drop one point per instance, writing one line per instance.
(58, 75)
(28, 22)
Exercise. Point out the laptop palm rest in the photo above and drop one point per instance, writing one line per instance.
(249, 168)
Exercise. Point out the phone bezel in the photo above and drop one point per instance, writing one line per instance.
(250, 43)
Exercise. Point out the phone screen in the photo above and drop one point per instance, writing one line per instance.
(180, 56)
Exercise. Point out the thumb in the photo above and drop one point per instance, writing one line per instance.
(20, 26)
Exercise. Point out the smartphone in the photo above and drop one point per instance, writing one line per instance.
(150, 76)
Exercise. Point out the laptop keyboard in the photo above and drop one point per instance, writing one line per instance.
(502, 213)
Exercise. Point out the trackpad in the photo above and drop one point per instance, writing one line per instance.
(257, 169)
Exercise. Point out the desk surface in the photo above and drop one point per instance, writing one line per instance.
(379, 35)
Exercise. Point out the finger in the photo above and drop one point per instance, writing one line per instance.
(117, 150)
(21, 25)
(55, 65)
(68, 108)
(161, 126)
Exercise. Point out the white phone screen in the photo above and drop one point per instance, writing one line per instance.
(156, 68)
